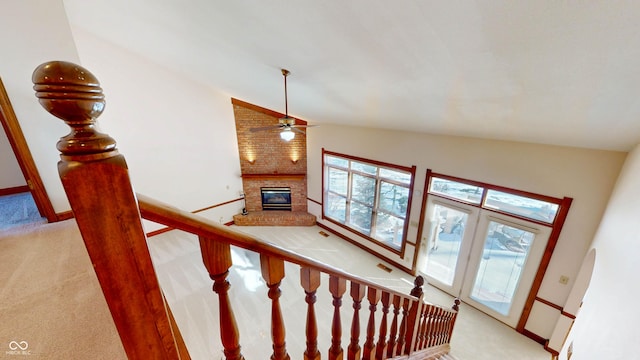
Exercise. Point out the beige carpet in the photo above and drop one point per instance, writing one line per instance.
(51, 305)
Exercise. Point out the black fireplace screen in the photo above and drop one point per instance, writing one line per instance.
(276, 198)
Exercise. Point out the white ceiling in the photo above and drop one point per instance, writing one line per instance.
(542, 71)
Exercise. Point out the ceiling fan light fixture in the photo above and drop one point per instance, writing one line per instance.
(287, 135)
(286, 124)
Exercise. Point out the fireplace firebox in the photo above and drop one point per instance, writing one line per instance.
(276, 198)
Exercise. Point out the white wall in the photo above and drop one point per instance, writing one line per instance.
(607, 325)
(587, 176)
(177, 135)
(10, 175)
(32, 32)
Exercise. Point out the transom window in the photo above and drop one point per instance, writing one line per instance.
(528, 206)
(368, 197)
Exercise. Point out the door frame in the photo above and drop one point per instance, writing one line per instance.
(23, 156)
(561, 216)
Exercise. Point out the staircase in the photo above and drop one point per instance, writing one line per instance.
(446, 357)
(109, 215)
(435, 353)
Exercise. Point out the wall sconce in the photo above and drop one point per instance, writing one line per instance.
(294, 161)
(251, 161)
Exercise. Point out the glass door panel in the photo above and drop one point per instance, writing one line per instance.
(503, 261)
(504, 254)
(444, 244)
(448, 241)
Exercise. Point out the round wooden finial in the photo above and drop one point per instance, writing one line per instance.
(456, 304)
(73, 94)
(417, 289)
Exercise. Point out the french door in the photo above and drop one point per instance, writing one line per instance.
(487, 259)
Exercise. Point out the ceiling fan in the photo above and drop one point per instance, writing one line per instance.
(286, 125)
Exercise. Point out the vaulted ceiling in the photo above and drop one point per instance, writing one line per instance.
(542, 71)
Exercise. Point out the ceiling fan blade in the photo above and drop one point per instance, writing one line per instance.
(303, 126)
(264, 128)
(298, 130)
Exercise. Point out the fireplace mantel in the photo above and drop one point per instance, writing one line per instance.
(274, 176)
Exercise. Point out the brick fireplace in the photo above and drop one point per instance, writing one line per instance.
(268, 161)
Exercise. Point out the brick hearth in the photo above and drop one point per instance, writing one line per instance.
(275, 218)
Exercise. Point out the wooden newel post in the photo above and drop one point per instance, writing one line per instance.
(456, 308)
(96, 180)
(413, 317)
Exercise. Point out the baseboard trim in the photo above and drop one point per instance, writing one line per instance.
(535, 337)
(14, 190)
(159, 231)
(382, 257)
(65, 215)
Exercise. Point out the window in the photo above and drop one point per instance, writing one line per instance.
(368, 197)
(456, 190)
(521, 206)
(538, 208)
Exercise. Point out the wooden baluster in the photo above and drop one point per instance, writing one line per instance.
(216, 256)
(449, 327)
(373, 295)
(427, 335)
(96, 180)
(429, 326)
(357, 294)
(422, 329)
(273, 273)
(436, 323)
(310, 280)
(446, 326)
(442, 329)
(446, 317)
(381, 346)
(440, 322)
(403, 327)
(391, 348)
(413, 323)
(337, 287)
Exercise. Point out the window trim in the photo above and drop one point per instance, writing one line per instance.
(411, 170)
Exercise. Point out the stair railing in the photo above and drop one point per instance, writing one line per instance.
(109, 215)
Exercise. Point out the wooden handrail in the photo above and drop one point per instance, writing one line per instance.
(111, 227)
(423, 325)
(165, 214)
